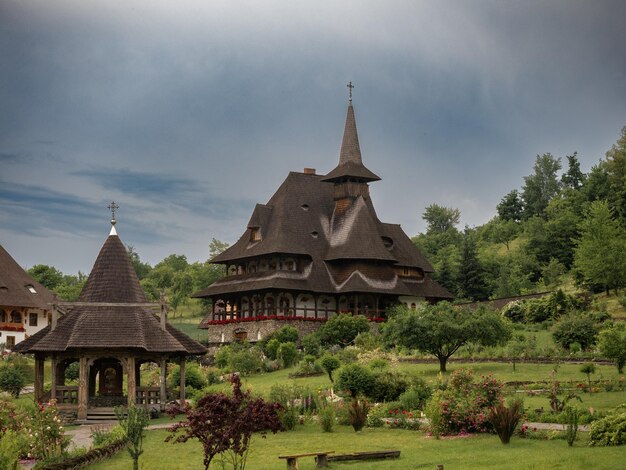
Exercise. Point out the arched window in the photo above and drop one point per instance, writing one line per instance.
(16, 317)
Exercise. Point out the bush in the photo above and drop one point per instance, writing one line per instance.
(609, 431)
(327, 417)
(612, 344)
(312, 345)
(72, 371)
(367, 341)
(245, 361)
(194, 378)
(572, 424)
(463, 406)
(271, 348)
(342, 329)
(12, 379)
(575, 329)
(505, 419)
(286, 334)
(415, 397)
(13, 444)
(287, 354)
(388, 386)
(356, 379)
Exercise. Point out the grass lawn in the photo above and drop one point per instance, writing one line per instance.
(418, 452)
(602, 401)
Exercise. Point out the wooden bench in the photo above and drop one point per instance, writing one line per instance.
(320, 457)
(372, 455)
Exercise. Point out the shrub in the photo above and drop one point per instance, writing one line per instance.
(194, 378)
(388, 386)
(572, 424)
(287, 354)
(72, 371)
(355, 379)
(379, 364)
(358, 414)
(609, 431)
(312, 345)
(330, 363)
(271, 348)
(505, 419)
(463, 405)
(286, 334)
(12, 379)
(612, 344)
(342, 329)
(245, 361)
(326, 414)
(367, 341)
(289, 417)
(575, 329)
(415, 397)
(348, 355)
(12, 445)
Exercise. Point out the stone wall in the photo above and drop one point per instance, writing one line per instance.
(256, 330)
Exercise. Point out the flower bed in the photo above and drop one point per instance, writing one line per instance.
(12, 328)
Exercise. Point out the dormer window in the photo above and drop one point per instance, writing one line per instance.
(304, 207)
(255, 234)
(31, 288)
(388, 242)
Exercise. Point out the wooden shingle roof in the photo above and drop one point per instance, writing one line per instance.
(113, 281)
(14, 286)
(332, 241)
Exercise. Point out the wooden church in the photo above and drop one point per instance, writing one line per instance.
(315, 249)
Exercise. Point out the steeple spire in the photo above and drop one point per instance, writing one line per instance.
(350, 161)
(113, 207)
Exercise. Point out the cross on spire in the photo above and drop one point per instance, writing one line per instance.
(113, 207)
(350, 87)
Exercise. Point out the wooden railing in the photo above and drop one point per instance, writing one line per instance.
(300, 312)
(148, 396)
(67, 395)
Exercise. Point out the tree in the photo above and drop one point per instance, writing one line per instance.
(615, 165)
(47, 276)
(600, 256)
(503, 231)
(588, 369)
(216, 247)
(182, 288)
(612, 344)
(440, 218)
(287, 353)
(511, 207)
(133, 421)
(573, 178)
(541, 186)
(342, 329)
(330, 363)
(471, 275)
(441, 329)
(141, 269)
(225, 423)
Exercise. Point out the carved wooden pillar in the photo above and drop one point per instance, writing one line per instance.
(39, 361)
(83, 390)
(182, 380)
(131, 378)
(54, 371)
(162, 384)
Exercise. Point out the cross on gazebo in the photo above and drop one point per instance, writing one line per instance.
(350, 87)
(113, 207)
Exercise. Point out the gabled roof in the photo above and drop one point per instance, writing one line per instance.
(112, 280)
(350, 161)
(14, 286)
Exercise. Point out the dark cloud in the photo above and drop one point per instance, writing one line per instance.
(189, 113)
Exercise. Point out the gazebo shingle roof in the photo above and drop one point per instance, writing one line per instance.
(112, 280)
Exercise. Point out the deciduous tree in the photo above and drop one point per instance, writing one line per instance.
(441, 329)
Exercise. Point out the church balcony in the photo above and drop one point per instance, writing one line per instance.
(289, 314)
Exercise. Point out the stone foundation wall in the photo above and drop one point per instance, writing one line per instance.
(256, 330)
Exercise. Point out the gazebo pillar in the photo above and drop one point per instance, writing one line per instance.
(54, 372)
(131, 380)
(83, 390)
(162, 384)
(182, 380)
(39, 361)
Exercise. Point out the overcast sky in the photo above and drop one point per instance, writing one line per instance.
(188, 113)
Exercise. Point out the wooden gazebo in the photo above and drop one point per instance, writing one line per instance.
(111, 331)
